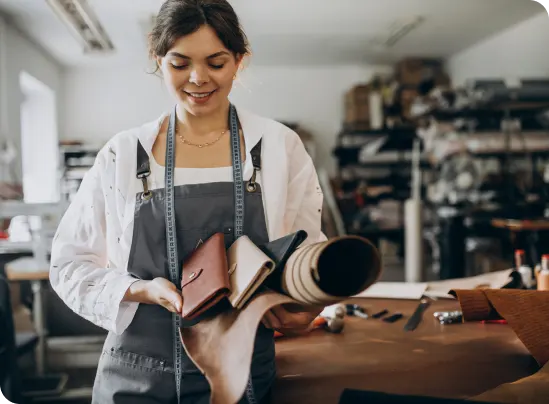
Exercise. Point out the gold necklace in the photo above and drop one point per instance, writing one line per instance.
(200, 145)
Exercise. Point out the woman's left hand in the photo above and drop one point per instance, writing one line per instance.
(286, 320)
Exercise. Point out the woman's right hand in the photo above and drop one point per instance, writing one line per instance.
(158, 291)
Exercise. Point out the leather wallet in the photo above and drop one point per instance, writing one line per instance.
(248, 269)
(205, 278)
(279, 251)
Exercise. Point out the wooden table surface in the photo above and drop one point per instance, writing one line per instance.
(453, 361)
(27, 269)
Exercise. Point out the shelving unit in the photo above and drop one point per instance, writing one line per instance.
(75, 163)
(375, 166)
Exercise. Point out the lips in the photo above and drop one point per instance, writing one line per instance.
(200, 97)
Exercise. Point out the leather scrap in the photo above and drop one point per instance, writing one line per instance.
(526, 312)
(222, 346)
(529, 390)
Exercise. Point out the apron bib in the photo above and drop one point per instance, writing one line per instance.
(138, 367)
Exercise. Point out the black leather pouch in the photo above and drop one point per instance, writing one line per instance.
(279, 251)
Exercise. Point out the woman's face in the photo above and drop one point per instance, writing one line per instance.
(199, 71)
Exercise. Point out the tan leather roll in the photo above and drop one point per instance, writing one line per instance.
(328, 272)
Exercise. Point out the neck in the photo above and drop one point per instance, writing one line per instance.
(203, 124)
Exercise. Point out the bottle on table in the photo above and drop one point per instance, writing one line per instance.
(543, 277)
(524, 269)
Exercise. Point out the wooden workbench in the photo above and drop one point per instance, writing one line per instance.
(451, 361)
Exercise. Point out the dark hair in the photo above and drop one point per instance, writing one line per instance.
(178, 18)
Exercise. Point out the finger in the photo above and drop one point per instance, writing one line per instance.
(174, 299)
(266, 323)
(280, 315)
(171, 306)
(168, 306)
(296, 320)
(273, 320)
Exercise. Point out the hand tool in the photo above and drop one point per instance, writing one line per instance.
(416, 318)
(380, 314)
(356, 310)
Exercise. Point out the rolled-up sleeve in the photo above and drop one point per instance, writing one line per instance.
(305, 197)
(79, 272)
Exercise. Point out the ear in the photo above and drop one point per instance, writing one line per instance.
(239, 59)
(159, 62)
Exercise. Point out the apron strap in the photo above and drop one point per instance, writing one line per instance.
(143, 169)
(256, 161)
(256, 155)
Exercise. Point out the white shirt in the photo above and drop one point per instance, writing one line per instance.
(91, 247)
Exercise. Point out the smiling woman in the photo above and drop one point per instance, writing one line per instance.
(205, 167)
(199, 50)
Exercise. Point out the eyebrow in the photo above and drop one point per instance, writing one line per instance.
(217, 54)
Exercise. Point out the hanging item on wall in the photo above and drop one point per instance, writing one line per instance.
(10, 187)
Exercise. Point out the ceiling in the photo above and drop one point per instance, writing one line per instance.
(291, 32)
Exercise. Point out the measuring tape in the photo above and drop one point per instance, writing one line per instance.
(171, 235)
(171, 238)
(238, 204)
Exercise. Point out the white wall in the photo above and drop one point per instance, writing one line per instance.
(22, 55)
(518, 52)
(99, 103)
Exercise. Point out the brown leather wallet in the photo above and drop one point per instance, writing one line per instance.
(205, 277)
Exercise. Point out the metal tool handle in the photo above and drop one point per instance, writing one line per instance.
(414, 321)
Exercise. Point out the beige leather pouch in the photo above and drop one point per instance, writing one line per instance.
(248, 269)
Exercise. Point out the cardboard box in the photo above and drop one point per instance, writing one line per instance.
(357, 106)
(407, 97)
(412, 71)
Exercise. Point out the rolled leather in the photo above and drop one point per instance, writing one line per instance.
(328, 272)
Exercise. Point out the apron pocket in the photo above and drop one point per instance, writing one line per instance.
(137, 361)
(130, 378)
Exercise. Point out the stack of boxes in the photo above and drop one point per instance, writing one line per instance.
(409, 74)
(357, 108)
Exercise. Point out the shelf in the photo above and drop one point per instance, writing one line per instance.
(75, 162)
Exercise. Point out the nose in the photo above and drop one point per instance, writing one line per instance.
(199, 76)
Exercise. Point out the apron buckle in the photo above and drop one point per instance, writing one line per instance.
(252, 187)
(147, 194)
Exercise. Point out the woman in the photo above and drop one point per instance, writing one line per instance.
(110, 260)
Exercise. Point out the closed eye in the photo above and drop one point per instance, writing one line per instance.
(179, 67)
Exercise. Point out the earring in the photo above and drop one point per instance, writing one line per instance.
(234, 77)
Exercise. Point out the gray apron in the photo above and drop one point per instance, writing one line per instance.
(138, 367)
